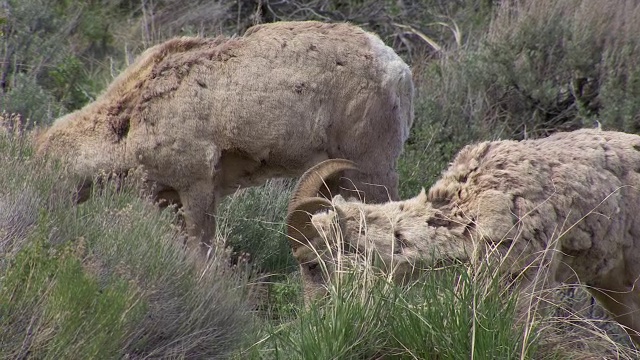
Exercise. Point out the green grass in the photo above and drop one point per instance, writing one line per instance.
(447, 314)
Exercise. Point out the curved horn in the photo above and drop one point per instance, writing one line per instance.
(315, 177)
(299, 226)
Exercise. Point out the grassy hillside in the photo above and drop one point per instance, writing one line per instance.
(109, 278)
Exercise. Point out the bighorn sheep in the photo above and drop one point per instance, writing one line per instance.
(568, 204)
(205, 117)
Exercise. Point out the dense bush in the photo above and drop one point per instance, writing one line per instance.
(106, 279)
(540, 67)
(562, 65)
(50, 53)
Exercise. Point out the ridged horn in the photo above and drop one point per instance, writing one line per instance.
(315, 177)
(304, 201)
(299, 226)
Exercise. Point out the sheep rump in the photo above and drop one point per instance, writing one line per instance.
(565, 205)
(205, 117)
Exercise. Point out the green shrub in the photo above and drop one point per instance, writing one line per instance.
(31, 101)
(435, 138)
(252, 222)
(556, 64)
(69, 84)
(105, 279)
(52, 54)
(545, 66)
(52, 308)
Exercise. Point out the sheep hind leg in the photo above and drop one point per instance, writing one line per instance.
(624, 306)
(199, 204)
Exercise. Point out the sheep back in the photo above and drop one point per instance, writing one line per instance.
(270, 103)
(579, 188)
(286, 94)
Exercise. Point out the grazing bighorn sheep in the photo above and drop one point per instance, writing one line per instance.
(568, 204)
(205, 117)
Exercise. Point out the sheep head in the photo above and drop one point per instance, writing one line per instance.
(397, 237)
(88, 147)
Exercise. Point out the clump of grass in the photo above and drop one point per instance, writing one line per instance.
(252, 221)
(459, 313)
(446, 314)
(577, 327)
(107, 278)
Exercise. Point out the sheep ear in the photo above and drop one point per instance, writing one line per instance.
(422, 197)
(338, 199)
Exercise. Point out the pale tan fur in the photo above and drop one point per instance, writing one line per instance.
(560, 209)
(205, 117)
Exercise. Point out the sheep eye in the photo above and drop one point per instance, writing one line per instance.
(313, 266)
(400, 242)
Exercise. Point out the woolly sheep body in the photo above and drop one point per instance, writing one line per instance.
(205, 117)
(575, 194)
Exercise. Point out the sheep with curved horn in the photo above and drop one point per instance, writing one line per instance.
(205, 117)
(565, 206)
